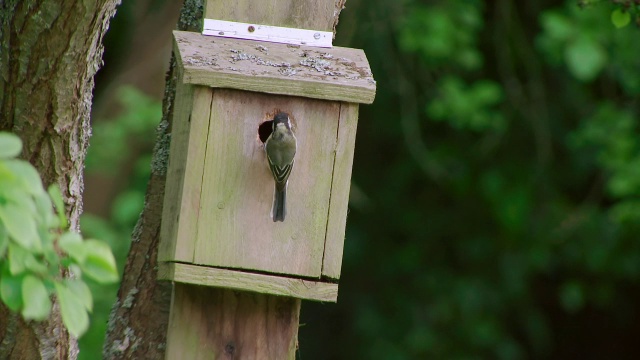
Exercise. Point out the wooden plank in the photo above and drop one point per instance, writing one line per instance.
(316, 15)
(339, 74)
(175, 174)
(236, 229)
(190, 205)
(239, 280)
(332, 261)
(211, 323)
(184, 174)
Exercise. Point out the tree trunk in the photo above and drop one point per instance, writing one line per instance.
(50, 51)
(139, 319)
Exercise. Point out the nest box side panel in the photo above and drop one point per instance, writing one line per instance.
(235, 229)
(332, 261)
(184, 173)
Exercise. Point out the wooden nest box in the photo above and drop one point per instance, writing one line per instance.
(216, 224)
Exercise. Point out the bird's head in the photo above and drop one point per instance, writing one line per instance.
(281, 118)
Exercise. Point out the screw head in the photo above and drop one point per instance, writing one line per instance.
(251, 29)
(316, 36)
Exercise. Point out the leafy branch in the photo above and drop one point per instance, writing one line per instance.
(35, 244)
(622, 13)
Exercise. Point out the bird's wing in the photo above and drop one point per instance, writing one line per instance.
(280, 173)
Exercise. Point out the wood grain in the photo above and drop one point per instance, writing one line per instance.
(184, 175)
(316, 15)
(210, 323)
(235, 229)
(239, 280)
(175, 173)
(341, 183)
(340, 74)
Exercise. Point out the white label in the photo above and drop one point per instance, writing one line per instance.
(268, 33)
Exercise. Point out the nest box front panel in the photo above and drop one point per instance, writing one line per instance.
(235, 228)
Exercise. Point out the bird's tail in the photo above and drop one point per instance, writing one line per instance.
(279, 203)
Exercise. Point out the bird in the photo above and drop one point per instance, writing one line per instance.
(281, 150)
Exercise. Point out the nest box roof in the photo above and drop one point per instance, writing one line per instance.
(340, 74)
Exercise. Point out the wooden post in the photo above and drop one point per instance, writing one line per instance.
(212, 323)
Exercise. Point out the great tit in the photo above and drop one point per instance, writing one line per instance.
(281, 150)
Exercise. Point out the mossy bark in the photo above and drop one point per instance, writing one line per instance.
(50, 51)
(138, 321)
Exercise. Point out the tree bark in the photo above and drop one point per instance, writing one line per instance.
(139, 319)
(50, 51)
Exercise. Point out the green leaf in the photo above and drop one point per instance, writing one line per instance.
(75, 270)
(620, 18)
(81, 291)
(11, 290)
(36, 266)
(585, 58)
(100, 265)
(21, 260)
(17, 195)
(73, 311)
(56, 197)
(27, 175)
(17, 259)
(44, 208)
(51, 256)
(4, 240)
(10, 145)
(37, 304)
(21, 226)
(71, 243)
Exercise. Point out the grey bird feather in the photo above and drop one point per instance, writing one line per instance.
(281, 149)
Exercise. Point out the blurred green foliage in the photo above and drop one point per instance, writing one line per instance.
(495, 202)
(444, 34)
(500, 163)
(467, 107)
(623, 12)
(118, 145)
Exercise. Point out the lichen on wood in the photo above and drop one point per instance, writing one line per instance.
(340, 74)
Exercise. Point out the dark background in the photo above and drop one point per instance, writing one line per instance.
(495, 199)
